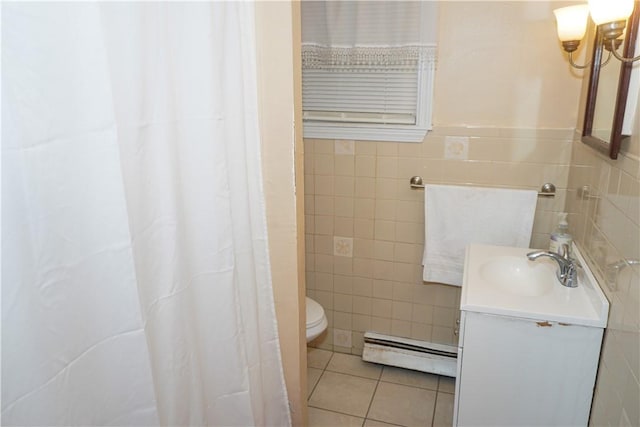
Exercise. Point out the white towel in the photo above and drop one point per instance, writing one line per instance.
(457, 216)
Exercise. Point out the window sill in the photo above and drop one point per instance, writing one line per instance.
(395, 133)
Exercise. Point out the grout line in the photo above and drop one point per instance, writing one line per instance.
(435, 406)
(314, 387)
(337, 412)
(328, 361)
(319, 378)
(373, 397)
(354, 375)
(411, 386)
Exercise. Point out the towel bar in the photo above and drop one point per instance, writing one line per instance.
(547, 190)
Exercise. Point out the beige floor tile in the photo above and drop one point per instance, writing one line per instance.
(374, 423)
(409, 377)
(444, 410)
(322, 418)
(318, 358)
(313, 375)
(399, 404)
(354, 365)
(343, 393)
(447, 384)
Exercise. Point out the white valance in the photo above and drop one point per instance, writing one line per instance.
(367, 68)
(369, 23)
(370, 58)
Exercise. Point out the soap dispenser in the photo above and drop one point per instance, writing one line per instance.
(561, 235)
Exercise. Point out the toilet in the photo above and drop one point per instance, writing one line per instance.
(316, 320)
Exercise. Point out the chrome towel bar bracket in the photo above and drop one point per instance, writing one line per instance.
(547, 190)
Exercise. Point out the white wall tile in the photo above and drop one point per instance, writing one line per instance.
(607, 235)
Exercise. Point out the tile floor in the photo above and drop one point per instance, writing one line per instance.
(343, 390)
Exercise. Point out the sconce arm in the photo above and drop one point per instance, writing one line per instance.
(574, 65)
(619, 57)
(588, 64)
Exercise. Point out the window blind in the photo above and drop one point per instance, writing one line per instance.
(367, 64)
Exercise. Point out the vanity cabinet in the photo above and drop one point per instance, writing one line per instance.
(528, 347)
(523, 372)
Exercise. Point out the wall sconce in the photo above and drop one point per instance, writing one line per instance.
(609, 15)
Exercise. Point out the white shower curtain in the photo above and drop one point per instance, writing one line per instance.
(136, 286)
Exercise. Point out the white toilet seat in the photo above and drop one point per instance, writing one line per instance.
(316, 319)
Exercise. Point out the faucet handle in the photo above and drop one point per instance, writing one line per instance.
(567, 268)
(570, 277)
(564, 251)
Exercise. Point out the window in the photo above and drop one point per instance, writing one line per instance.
(367, 69)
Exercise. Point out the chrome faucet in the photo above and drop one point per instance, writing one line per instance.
(568, 272)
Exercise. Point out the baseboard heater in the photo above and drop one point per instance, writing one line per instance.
(410, 354)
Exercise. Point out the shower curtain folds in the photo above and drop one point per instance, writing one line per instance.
(136, 287)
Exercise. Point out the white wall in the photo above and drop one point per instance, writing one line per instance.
(500, 64)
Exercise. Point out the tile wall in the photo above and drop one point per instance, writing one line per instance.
(365, 225)
(606, 223)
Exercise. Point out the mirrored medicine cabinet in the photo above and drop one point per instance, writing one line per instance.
(606, 107)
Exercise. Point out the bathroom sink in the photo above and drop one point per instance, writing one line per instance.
(501, 280)
(518, 275)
